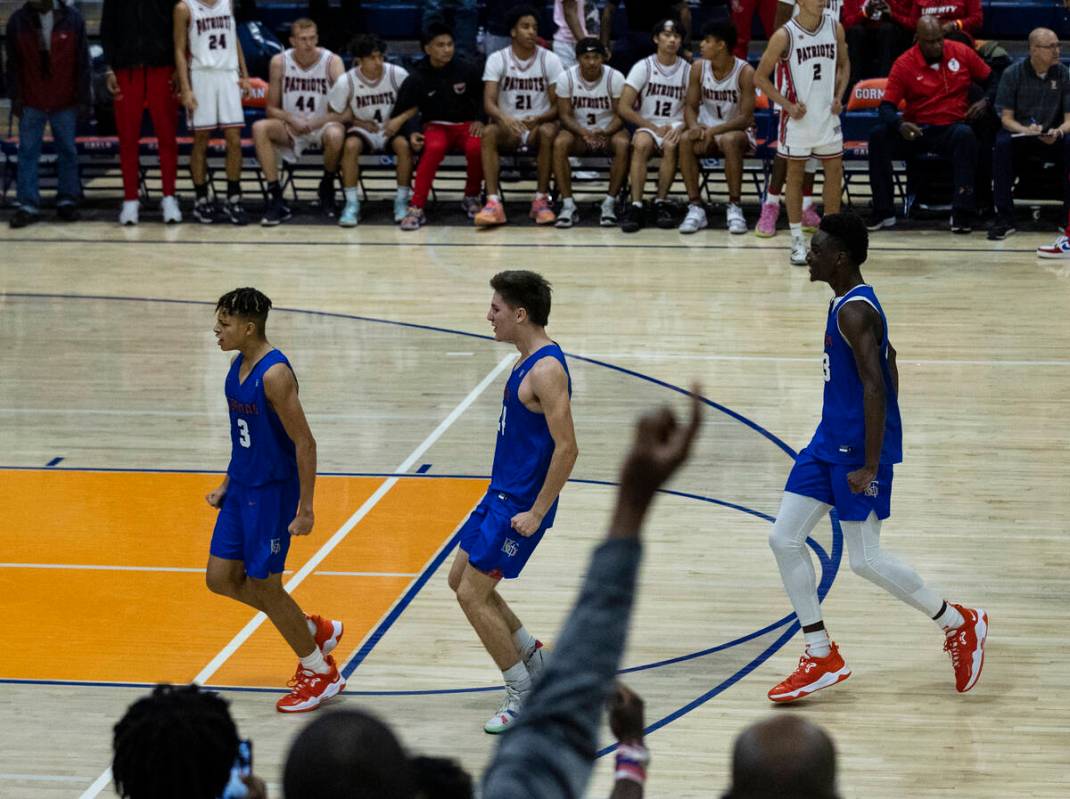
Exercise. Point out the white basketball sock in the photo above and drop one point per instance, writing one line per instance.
(817, 643)
(351, 194)
(807, 201)
(311, 626)
(525, 643)
(950, 619)
(796, 231)
(771, 198)
(516, 677)
(315, 662)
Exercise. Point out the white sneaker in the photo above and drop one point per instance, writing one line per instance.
(1059, 249)
(128, 216)
(566, 217)
(798, 252)
(172, 214)
(735, 220)
(508, 712)
(608, 213)
(695, 220)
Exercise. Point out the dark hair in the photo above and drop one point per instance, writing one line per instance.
(177, 743)
(435, 28)
(248, 303)
(441, 778)
(850, 234)
(364, 44)
(347, 754)
(517, 13)
(677, 27)
(523, 289)
(725, 31)
(591, 44)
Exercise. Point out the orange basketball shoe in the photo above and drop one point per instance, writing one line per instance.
(309, 689)
(541, 211)
(812, 674)
(493, 213)
(966, 645)
(328, 633)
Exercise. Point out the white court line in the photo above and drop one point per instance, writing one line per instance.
(183, 569)
(184, 413)
(698, 356)
(38, 778)
(213, 666)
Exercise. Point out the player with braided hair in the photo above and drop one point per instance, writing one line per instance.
(266, 495)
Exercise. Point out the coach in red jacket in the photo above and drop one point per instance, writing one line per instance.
(49, 78)
(933, 80)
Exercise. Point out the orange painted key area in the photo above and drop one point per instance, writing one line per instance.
(147, 625)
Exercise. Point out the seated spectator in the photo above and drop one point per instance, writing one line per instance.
(48, 79)
(447, 91)
(878, 32)
(367, 97)
(297, 117)
(1033, 101)
(960, 20)
(933, 78)
(640, 17)
(720, 119)
(783, 756)
(587, 96)
(743, 12)
(177, 743)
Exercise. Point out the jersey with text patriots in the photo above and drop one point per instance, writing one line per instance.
(261, 451)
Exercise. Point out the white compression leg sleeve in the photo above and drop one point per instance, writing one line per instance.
(887, 571)
(798, 515)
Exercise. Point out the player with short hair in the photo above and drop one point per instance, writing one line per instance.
(653, 102)
(367, 94)
(212, 79)
(266, 496)
(533, 458)
(587, 96)
(297, 117)
(811, 53)
(848, 466)
(520, 102)
(720, 119)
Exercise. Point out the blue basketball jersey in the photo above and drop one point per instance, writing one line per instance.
(261, 451)
(524, 446)
(841, 435)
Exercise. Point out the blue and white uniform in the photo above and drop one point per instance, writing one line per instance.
(263, 490)
(521, 462)
(839, 444)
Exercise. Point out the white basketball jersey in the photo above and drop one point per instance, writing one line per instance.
(304, 91)
(720, 98)
(213, 37)
(592, 103)
(809, 71)
(662, 90)
(370, 101)
(523, 86)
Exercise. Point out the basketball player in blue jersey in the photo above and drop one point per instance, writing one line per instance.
(267, 495)
(533, 458)
(848, 466)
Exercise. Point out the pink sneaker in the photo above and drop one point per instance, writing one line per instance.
(766, 227)
(811, 219)
(541, 211)
(492, 214)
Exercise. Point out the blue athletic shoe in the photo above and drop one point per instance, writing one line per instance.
(350, 214)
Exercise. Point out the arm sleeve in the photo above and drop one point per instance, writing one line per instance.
(550, 751)
(974, 18)
(1008, 89)
(979, 70)
(408, 94)
(889, 114)
(894, 90)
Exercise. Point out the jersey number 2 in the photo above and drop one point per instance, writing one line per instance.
(817, 71)
(243, 432)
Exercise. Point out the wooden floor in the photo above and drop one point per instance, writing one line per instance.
(112, 428)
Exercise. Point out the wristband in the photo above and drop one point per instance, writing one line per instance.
(632, 759)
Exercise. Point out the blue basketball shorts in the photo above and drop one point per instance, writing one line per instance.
(827, 482)
(493, 546)
(253, 523)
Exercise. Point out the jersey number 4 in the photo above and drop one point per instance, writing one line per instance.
(243, 433)
(217, 41)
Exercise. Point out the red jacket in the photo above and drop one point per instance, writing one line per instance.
(935, 96)
(967, 13)
(902, 12)
(48, 80)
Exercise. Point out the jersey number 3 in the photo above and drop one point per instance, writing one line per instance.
(826, 367)
(246, 441)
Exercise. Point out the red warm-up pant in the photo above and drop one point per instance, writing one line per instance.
(138, 87)
(439, 139)
(743, 17)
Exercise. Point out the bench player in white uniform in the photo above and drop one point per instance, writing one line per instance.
(297, 117)
(720, 118)
(657, 86)
(367, 94)
(812, 54)
(212, 78)
(766, 227)
(587, 96)
(521, 105)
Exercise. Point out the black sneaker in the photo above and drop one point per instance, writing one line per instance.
(236, 214)
(22, 218)
(664, 218)
(633, 218)
(1000, 229)
(68, 212)
(961, 222)
(327, 200)
(275, 213)
(878, 221)
(204, 212)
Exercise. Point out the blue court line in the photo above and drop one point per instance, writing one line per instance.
(54, 461)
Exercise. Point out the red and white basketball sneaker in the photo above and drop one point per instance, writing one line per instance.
(966, 645)
(309, 689)
(1059, 249)
(328, 632)
(812, 674)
